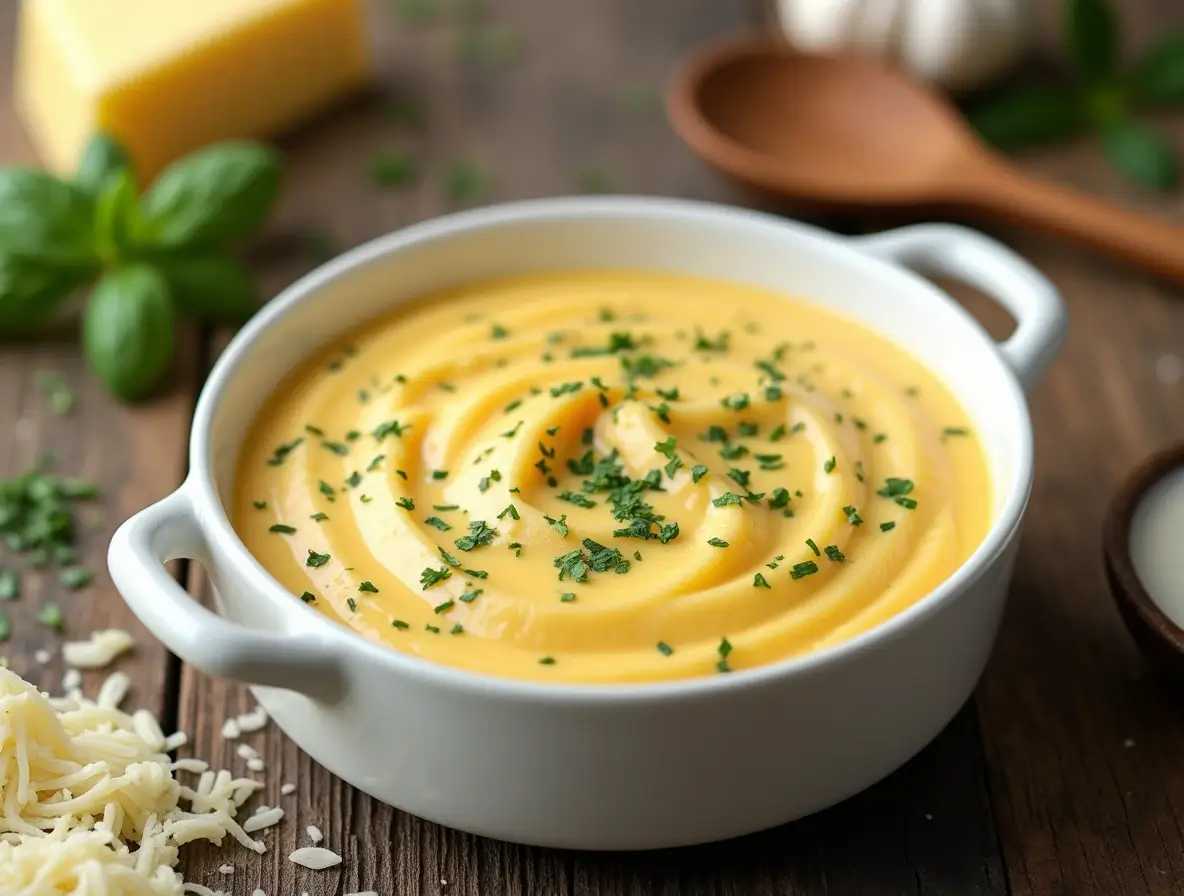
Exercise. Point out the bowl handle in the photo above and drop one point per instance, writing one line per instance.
(169, 530)
(988, 265)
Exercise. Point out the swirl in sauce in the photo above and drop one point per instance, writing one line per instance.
(611, 477)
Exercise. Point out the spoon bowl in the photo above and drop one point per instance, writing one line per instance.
(835, 128)
(852, 130)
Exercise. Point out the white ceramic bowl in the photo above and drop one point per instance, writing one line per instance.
(622, 766)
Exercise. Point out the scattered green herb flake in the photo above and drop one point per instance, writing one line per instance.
(389, 428)
(476, 573)
(778, 498)
(769, 462)
(259, 505)
(282, 529)
(759, 581)
(429, 577)
(673, 466)
(814, 547)
(833, 552)
(547, 661)
(280, 452)
(748, 428)
(338, 448)
(465, 182)
(698, 471)
(724, 650)
(953, 431)
(368, 587)
(567, 597)
(912, 391)
(717, 542)
(352, 604)
(326, 489)
(838, 417)
(439, 474)
(510, 511)
(714, 434)
(399, 624)
(801, 570)
(314, 430)
(566, 388)
(559, 525)
(718, 344)
(436, 523)
(513, 406)
(662, 411)
(738, 402)
(800, 426)
(319, 517)
(308, 597)
(406, 503)
(10, 585)
(576, 498)
(828, 465)
(471, 595)
(51, 616)
(479, 535)
(433, 629)
(664, 648)
(668, 394)
(852, 516)
(497, 331)
(637, 556)
(774, 393)
(733, 451)
(740, 477)
(644, 366)
(315, 560)
(457, 629)
(726, 499)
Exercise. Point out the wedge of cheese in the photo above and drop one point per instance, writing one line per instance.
(167, 76)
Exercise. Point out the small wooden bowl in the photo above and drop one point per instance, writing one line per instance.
(1160, 639)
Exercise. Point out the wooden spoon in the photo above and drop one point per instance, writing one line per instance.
(853, 130)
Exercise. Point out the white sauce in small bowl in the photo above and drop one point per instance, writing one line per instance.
(1157, 544)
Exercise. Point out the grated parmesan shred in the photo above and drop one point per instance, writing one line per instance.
(88, 802)
(97, 651)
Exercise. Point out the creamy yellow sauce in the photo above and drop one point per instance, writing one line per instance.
(611, 477)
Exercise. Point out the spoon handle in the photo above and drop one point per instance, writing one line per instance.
(1011, 195)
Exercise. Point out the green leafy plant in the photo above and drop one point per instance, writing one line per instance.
(1104, 99)
(147, 256)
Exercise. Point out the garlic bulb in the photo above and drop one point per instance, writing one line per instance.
(957, 44)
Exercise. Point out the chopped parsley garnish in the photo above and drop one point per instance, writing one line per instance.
(801, 570)
(457, 629)
(717, 542)
(434, 629)
(769, 461)
(471, 595)
(724, 650)
(718, 344)
(714, 434)
(888, 526)
(498, 332)
(668, 394)
(664, 648)
(748, 428)
(352, 604)
(399, 624)
(510, 511)
(354, 480)
(547, 661)
(673, 466)
(282, 451)
(436, 523)
(800, 426)
(778, 498)
(666, 446)
(315, 560)
(948, 431)
(326, 489)
(406, 503)
(662, 411)
(567, 597)
(833, 552)
(319, 517)
(447, 557)
(259, 505)
(698, 471)
(643, 366)
(566, 388)
(368, 587)
(479, 534)
(512, 406)
(378, 459)
(281, 529)
(439, 474)
(338, 448)
(733, 451)
(812, 546)
(308, 597)
(444, 508)
(879, 437)
(444, 607)
(852, 516)
(430, 577)
(559, 525)
(726, 499)
(898, 490)
(617, 342)
(736, 402)
(759, 581)
(828, 466)
(740, 477)
(513, 431)
(576, 498)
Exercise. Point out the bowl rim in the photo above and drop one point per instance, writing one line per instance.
(201, 489)
(1126, 586)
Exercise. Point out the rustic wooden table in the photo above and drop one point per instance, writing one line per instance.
(1062, 776)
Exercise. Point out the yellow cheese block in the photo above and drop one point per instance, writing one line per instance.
(167, 76)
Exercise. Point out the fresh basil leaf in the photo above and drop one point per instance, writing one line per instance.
(1141, 155)
(31, 289)
(102, 158)
(118, 218)
(1092, 37)
(213, 196)
(127, 330)
(1028, 116)
(213, 288)
(43, 216)
(1159, 76)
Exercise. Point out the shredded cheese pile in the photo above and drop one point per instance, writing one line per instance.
(88, 801)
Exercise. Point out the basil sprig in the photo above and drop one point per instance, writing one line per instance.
(147, 257)
(1103, 100)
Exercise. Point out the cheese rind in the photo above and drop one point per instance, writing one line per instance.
(167, 78)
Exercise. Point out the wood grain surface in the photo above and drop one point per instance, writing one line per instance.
(1062, 776)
